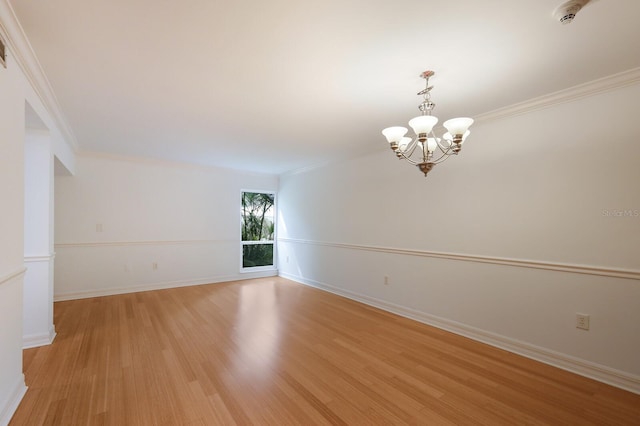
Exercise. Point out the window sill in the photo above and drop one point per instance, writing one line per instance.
(258, 269)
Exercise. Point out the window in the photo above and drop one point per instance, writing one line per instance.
(257, 229)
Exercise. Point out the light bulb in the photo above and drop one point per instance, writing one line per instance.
(449, 139)
(403, 144)
(432, 144)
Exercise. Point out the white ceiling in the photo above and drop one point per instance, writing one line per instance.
(275, 86)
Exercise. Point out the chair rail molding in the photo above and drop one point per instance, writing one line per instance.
(34, 258)
(13, 275)
(140, 243)
(520, 263)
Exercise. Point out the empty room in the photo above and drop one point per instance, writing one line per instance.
(319, 213)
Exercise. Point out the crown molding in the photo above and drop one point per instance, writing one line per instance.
(326, 163)
(166, 163)
(315, 166)
(23, 54)
(605, 84)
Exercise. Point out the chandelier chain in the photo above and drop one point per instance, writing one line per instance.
(427, 105)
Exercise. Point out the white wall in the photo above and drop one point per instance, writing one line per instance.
(531, 187)
(185, 219)
(12, 131)
(38, 328)
(23, 88)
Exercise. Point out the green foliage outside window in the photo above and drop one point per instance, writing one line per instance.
(257, 216)
(257, 225)
(257, 255)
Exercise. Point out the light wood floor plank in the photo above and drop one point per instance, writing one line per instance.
(273, 352)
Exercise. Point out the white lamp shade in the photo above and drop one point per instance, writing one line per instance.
(432, 144)
(458, 126)
(394, 134)
(423, 123)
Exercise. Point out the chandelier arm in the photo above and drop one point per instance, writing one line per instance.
(447, 152)
(443, 147)
(441, 159)
(409, 151)
(411, 147)
(408, 158)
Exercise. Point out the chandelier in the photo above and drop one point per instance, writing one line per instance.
(426, 149)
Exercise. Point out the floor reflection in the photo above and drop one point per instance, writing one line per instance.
(257, 330)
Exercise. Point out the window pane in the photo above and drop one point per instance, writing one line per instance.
(257, 255)
(257, 216)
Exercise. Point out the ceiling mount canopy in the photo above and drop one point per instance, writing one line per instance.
(426, 150)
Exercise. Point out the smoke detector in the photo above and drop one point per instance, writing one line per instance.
(567, 11)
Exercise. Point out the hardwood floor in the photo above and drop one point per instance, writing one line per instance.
(274, 352)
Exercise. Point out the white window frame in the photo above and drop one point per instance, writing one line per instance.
(273, 267)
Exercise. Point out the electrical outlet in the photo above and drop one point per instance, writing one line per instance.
(386, 280)
(154, 265)
(287, 259)
(582, 321)
(98, 227)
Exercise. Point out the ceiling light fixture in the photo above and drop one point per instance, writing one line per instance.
(426, 149)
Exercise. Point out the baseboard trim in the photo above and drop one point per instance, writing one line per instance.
(161, 286)
(575, 365)
(37, 340)
(505, 261)
(11, 404)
